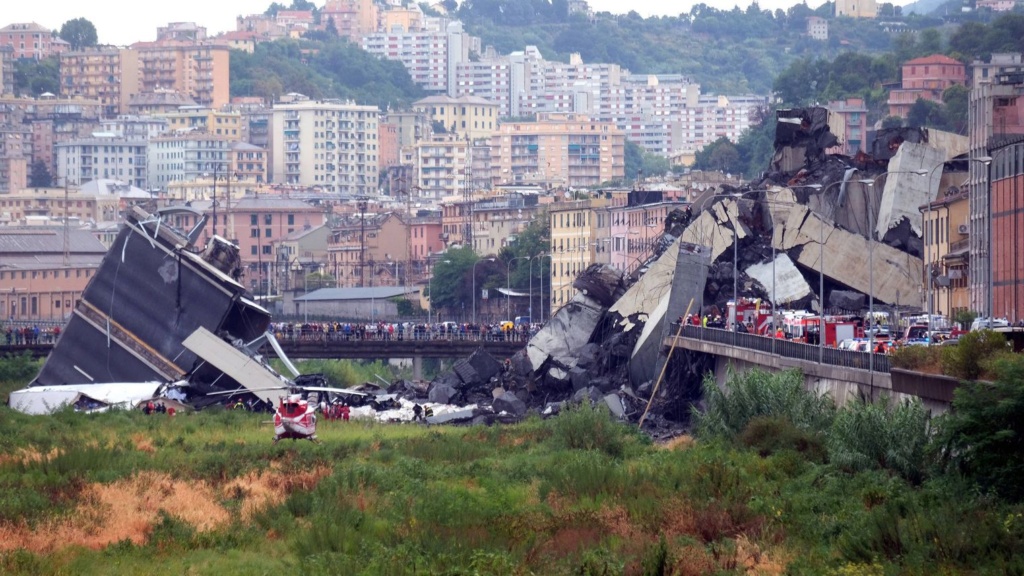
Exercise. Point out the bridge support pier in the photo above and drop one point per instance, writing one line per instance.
(417, 367)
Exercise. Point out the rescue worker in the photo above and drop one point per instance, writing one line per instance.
(417, 413)
(428, 412)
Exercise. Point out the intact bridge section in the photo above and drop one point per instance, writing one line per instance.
(845, 375)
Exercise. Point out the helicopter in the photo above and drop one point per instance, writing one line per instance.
(294, 415)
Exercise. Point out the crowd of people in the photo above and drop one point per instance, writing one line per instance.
(30, 334)
(386, 331)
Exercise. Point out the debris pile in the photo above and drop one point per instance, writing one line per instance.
(160, 309)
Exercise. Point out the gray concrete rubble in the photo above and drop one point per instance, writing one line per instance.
(908, 187)
(781, 279)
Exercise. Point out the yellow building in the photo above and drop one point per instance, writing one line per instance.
(558, 149)
(404, 19)
(574, 239)
(352, 19)
(470, 117)
(945, 233)
(199, 118)
(106, 74)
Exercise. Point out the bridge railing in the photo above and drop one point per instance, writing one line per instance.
(790, 349)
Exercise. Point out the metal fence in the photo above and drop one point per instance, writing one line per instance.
(790, 349)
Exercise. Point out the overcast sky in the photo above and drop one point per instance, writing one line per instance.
(122, 22)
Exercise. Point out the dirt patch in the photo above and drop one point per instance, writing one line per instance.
(125, 509)
(260, 489)
(143, 443)
(24, 456)
(679, 442)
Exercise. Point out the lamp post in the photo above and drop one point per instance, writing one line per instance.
(540, 298)
(987, 161)
(474, 285)
(508, 285)
(430, 289)
(929, 237)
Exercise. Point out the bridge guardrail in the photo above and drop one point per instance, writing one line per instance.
(789, 349)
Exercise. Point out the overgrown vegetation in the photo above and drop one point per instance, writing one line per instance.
(777, 482)
(971, 358)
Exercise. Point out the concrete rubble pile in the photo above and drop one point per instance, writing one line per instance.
(810, 220)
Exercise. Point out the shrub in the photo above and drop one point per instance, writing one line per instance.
(966, 358)
(758, 393)
(920, 358)
(771, 434)
(881, 435)
(587, 427)
(982, 436)
(18, 368)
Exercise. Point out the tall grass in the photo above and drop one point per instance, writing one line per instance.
(882, 435)
(758, 393)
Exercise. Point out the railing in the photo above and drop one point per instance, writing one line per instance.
(790, 349)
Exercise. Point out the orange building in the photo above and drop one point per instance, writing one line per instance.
(106, 74)
(199, 69)
(926, 78)
(352, 19)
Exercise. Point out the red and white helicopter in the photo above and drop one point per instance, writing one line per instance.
(294, 415)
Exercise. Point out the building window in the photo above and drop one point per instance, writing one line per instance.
(268, 219)
(252, 220)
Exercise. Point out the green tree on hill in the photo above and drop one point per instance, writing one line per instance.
(80, 33)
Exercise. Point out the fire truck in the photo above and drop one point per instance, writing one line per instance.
(804, 326)
(753, 313)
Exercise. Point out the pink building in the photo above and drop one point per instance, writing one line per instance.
(855, 120)
(926, 78)
(32, 41)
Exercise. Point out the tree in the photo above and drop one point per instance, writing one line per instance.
(982, 436)
(36, 77)
(79, 32)
(955, 99)
(892, 122)
(925, 113)
(39, 175)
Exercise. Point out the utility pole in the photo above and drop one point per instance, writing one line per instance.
(361, 205)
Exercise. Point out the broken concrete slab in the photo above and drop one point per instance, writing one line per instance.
(781, 279)
(442, 393)
(454, 417)
(614, 404)
(568, 330)
(911, 182)
(510, 404)
(484, 364)
(601, 283)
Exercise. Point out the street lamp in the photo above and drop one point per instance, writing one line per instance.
(540, 298)
(508, 285)
(430, 290)
(987, 161)
(474, 285)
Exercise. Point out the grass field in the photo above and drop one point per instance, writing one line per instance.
(208, 493)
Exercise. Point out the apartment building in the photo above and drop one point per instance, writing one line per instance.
(468, 117)
(369, 250)
(205, 119)
(574, 236)
(352, 19)
(945, 226)
(925, 78)
(107, 158)
(330, 144)
(440, 164)
(197, 68)
(15, 152)
(6, 70)
(32, 41)
(498, 220)
(107, 74)
(161, 101)
(431, 57)
(42, 276)
(40, 123)
(995, 112)
(817, 28)
(1006, 282)
(410, 127)
(854, 115)
(187, 157)
(563, 149)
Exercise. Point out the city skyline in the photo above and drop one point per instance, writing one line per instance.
(121, 23)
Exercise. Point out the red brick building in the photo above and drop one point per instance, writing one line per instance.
(926, 77)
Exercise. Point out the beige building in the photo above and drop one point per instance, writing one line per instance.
(39, 280)
(162, 101)
(204, 119)
(330, 144)
(352, 19)
(857, 8)
(558, 149)
(399, 19)
(468, 117)
(945, 225)
(574, 235)
(107, 74)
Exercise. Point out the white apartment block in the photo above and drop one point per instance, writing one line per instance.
(430, 57)
(187, 158)
(441, 165)
(329, 144)
(134, 127)
(112, 158)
